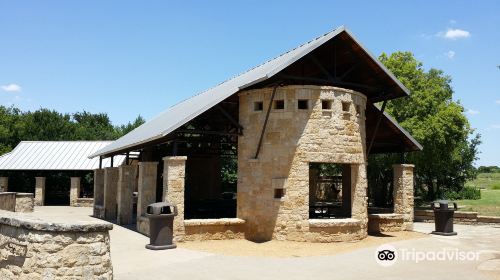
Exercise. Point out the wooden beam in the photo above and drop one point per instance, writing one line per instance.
(322, 68)
(376, 127)
(231, 119)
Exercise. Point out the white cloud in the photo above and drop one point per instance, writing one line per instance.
(452, 21)
(454, 34)
(11, 88)
(450, 54)
(472, 112)
(498, 101)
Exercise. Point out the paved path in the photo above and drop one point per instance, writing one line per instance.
(132, 261)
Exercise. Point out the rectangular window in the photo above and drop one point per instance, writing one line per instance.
(303, 104)
(279, 193)
(279, 104)
(326, 104)
(330, 190)
(346, 106)
(258, 106)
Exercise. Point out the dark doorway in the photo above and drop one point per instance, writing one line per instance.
(57, 186)
(210, 187)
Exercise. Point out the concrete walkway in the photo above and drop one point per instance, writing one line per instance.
(131, 261)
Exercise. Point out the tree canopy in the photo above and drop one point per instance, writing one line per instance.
(49, 125)
(437, 121)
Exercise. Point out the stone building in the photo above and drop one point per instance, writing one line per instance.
(43, 165)
(295, 131)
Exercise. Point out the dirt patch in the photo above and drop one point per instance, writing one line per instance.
(288, 249)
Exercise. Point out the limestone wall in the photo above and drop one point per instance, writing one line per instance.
(25, 202)
(34, 249)
(84, 202)
(403, 193)
(385, 223)
(293, 139)
(213, 229)
(174, 172)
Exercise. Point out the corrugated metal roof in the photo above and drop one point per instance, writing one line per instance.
(56, 155)
(187, 110)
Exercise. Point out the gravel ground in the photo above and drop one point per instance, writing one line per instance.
(288, 249)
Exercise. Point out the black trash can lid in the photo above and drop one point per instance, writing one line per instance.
(159, 208)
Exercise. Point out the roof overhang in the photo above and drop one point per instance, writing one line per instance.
(363, 71)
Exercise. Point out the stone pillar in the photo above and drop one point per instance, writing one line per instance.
(110, 189)
(127, 181)
(359, 198)
(74, 191)
(174, 172)
(403, 193)
(4, 184)
(146, 193)
(99, 193)
(39, 191)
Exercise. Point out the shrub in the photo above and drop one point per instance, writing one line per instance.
(495, 186)
(465, 193)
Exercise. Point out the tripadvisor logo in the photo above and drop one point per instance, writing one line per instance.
(386, 255)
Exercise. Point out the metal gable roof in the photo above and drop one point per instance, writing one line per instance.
(187, 110)
(55, 155)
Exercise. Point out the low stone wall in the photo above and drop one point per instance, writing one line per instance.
(25, 202)
(335, 230)
(83, 202)
(8, 201)
(31, 248)
(460, 217)
(214, 229)
(385, 223)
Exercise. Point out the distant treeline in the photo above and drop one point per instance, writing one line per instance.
(49, 125)
(488, 169)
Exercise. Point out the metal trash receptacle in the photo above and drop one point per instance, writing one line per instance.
(161, 224)
(443, 217)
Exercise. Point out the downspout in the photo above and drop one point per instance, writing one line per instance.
(265, 121)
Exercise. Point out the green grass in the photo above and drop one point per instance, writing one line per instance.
(489, 204)
(486, 181)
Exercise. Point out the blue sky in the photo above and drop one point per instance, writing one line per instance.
(140, 57)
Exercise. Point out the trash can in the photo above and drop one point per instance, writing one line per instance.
(443, 217)
(161, 224)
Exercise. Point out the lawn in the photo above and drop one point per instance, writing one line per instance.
(486, 181)
(489, 204)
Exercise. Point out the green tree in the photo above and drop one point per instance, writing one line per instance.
(435, 120)
(11, 126)
(93, 127)
(46, 125)
(126, 128)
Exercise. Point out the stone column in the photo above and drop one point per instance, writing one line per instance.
(39, 191)
(403, 193)
(174, 172)
(99, 193)
(127, 181)
(359, 199)
(146, 193)
(74, 191)
(4, 184)
(110, 189)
